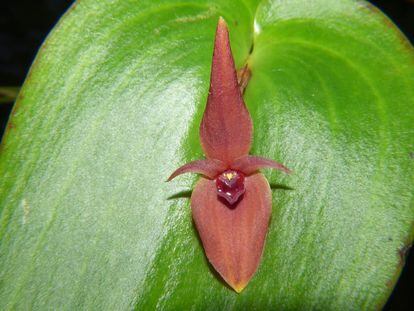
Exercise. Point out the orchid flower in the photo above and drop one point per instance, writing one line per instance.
(231, 203)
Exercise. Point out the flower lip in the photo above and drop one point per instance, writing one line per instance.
(230, 185)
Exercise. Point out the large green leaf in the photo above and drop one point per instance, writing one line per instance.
(112, 106)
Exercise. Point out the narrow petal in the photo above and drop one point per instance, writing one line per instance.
(226, 127)
(209, 168)
(233, 236)
(251, 164)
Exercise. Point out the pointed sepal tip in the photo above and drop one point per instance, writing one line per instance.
(238, 288)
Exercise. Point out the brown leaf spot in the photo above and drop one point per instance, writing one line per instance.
(10, 126)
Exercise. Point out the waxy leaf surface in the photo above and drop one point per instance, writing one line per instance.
(112, 106)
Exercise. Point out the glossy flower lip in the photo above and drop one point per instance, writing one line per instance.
(231, 203)
(230, 185)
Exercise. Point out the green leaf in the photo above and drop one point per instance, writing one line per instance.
(8, 94)
(112, 106)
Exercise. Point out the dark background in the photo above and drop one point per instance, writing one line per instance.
(24, 24)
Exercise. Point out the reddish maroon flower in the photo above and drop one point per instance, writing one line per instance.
(231, 203)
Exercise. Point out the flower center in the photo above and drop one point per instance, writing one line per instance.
(230, 185)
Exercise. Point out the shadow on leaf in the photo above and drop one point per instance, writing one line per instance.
(181, 195)
(280, 187)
